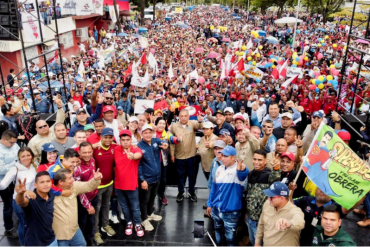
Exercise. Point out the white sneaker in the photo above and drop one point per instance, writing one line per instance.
(155, 217)
(114, 219)
(122, 216)
(110, 214)
(147, 225)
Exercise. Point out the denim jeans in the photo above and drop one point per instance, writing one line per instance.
(186, 168)
(162, 184)
(54, 243)
(129, 201)
(21, 221)
(7, 197)
(103, 197)
(147, 198)
(252, 229)
(367, 205)
(77, 240)
(227, 220)
(86, 221)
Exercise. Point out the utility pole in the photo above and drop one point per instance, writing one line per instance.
(117, 16)
(295, 25)
(154, 3)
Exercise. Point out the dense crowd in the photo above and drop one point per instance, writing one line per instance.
(217, 84)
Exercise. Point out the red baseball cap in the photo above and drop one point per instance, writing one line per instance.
(273, 96)
(233, 96)
(125, 132)
(289, 155)
(108, 108)
(344, 135)
(239, 117)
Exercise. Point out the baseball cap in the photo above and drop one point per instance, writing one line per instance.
(89, 127)
(107, 132)
(240, 117)
(318, 114)
(36, 91)
(289, 155)
(208, 125)
(343, 134)
(273, 96)
(119, 108)
(220, 144)
(229, 151)
(149, 110)
(108, 108)
(287, 114)
(48, 147)
(80, 110)
(133, 119)
(146, 127)
(277, 189)
(125, 132)
(233, 96)
(220, 112)
(261, 99)
(224, 132)
(229, 109)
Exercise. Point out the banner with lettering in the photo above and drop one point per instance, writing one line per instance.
(252, 72)
(336, 169)
(31, 27)
(292, 71)
(68, 6)
(84, 7)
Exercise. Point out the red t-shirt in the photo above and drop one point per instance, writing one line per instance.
(79, 99)
(104, 159)
(43, 167)
(126, 172)
(94, 138)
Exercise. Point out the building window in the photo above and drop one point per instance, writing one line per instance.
(67, 40)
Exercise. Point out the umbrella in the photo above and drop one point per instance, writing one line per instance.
(287, 20)
(142, 29)
(321, 29)
(213, 54)
(122, 35)
(237, 18)
(184, 26)
(262, 33)
(226, 39)
(256, 41)
(199, 49)
(155, 24)
(136, 35)
(272, 40)
(362, 41)
(212, 40)
(233, 14)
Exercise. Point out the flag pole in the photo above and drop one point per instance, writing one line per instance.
(295, 25)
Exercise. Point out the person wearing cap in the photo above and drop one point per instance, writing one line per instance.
(149, 174)
(229, 113)
(220, 122)
(183, 154)
(110, 121)
(83, 119)
(225, 199)
(286, 161)
(104, 161)
(246, 144)
(89, 129)
(206, 148)
(287, 122)
(281, 221)
(231, 102)
(259, 178)
(311, 129)
(275, 116)
(221, 103)
(219, 145)
(133, 127)
(330, 232)
(122, 116)
(49, 155)
(42, 103)
(127, 158)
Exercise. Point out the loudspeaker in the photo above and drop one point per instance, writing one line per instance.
(8, 20)
(236, 11)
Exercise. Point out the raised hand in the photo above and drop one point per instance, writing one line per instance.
(164, 146)
(335, 116)
(298, 141)
(275, 160)
(282, 224)
(240, 165)
(200, 118)
(255, 106)
(100, 99)
(21, 187)
(208, 111)
(290, 104)
(130, 155)
(97, 174)
(300, 108)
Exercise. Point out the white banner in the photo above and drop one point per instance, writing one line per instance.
(31, 27)
(252, 72)
(142, 104)
(138, 81)
(68, 6)
(98, 6)
(292, 71)
(112, 14)
(84, 7)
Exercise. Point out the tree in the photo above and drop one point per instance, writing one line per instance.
(265, 4)
(324, 7)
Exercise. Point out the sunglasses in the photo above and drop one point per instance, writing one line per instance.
(108, 98)
(41, 127)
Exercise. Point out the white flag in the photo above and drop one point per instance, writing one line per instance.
(138, 81)
(170, 72)
(81, 69)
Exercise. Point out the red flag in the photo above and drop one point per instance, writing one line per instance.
(275, 73)
(293, 80)
(143, 58)
(233, 59)
(127, 72)
(283, 69)
(240, 65)
(231, 80)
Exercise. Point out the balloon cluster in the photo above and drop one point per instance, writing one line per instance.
(255, 34)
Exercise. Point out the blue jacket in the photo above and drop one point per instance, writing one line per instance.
(227, 189)
(232, 104)
(212, 105)
(126, 105)
(91, 119)
(42, 106)
(150, 163)
(11, 124)
(215, 164)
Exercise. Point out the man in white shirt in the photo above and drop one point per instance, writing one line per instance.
(110, 122)
(261, 111)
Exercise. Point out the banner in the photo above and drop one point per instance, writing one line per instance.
(336, 169)
(112, 13)
(292, 71)
(138, 81)
(161, 105)
(98, 6)
(68, 6)
(142, 104)
(84, 7)
(122, 4)
(252, 72)
(31, 27)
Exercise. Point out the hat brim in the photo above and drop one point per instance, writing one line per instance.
(269, 193)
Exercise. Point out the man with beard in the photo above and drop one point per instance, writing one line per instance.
(245, 147)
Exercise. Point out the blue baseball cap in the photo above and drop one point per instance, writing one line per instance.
(119, 108)
(229, 151)
(277, 189)
(48, 147)
(224, 132)
(318, 114)
(107, 132)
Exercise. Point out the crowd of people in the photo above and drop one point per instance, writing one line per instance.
(68, 182)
